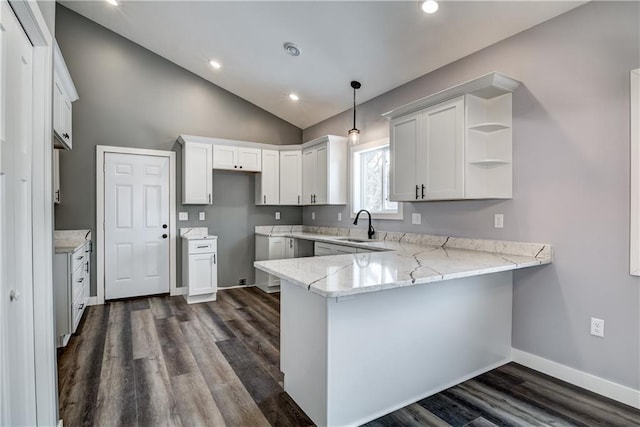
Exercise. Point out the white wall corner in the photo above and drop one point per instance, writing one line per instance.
(601, 386)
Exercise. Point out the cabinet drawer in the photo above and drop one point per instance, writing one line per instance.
(77, 309)
(79, 280)
(202, 246)
(77, 258)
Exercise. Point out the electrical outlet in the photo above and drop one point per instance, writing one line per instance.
(277, 215)
(201, 216)
(416, 218)
(597, 327)
(183, 216)
(242, 282)
(498, 221)
(339, 216)
(313, 215)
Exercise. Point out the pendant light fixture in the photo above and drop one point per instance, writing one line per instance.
(354, 133)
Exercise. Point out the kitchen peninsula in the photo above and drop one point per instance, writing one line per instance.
(367, 333)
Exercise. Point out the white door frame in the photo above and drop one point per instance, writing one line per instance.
(46, 398)
(101, 150)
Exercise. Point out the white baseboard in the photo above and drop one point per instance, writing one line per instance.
(235, 287)
(598, 385)
(92, 301)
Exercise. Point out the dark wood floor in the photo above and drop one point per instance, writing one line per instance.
(158, 361)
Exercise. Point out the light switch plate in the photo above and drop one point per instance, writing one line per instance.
(277, 215)
(498, 220)
(183, 216)
(339, 216)
(201, 216)
(313, 215)
(416, 218)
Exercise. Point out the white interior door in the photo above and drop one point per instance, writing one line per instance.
(136, 213)
(17, 354)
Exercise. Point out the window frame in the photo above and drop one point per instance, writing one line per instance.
(354, 151)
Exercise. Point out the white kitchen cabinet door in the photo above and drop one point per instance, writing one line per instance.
(290, 177)
(441, 151)
(58, 101)
(56, 176)
(405, 135)
(309, 175)
(250, 159)
(203, 274)
(277, 247)
(225, 157)
(322, 183)
(197, 174)
(268, 181)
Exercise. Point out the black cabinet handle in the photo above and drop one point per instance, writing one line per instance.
(65, 135)
(417, 188)
(298, 199)
(423, 191)
(86, 267)
(57, 195)
(214, 258)
(81, 306)
(265, 199)
(209, 198)
(164, 236)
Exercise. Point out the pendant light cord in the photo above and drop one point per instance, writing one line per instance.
(354, 108)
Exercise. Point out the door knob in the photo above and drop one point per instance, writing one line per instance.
(164, 225)
(164, 236)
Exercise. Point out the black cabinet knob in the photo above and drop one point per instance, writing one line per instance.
(164, 236)
(235, 167)
(164, 225)
(240, 167)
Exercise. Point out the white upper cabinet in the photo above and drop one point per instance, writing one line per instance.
(268, 181)
(455, 144)
(324, 171)
(64, 93)
(231, 157)
(197, 173)
(290, 177)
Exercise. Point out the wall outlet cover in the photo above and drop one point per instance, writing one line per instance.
(339, 216)
(416, 218)
(201, 216)
(597, 327)
(313, 215)
(277, 215)
(183, 216)
(498, 220)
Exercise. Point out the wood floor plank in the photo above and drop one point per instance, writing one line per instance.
(139, 304)
(194, 401)
(116, 403)
(176, 353)
(412, 415)
(450, 410)
(234, 402)
(160, 307)
(216, 326)
(480, 422)
(146, 343)
(154, 394)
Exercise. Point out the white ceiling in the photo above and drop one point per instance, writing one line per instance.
(381, 44)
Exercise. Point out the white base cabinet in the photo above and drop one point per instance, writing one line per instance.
(71, 281)
(200, 269)
(268, 248)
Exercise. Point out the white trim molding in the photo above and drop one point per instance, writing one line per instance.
(598, 385)
(101, 150)
(634, 235)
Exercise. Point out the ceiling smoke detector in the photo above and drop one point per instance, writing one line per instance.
(291, 49)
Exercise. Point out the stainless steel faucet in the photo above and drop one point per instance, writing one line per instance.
(371, 231)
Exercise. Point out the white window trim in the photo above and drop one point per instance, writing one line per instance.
(366, 147)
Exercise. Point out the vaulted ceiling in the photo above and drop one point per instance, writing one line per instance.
(383, 44)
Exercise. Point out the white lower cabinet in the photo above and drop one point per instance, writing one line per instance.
(268, 248)
(71, 280)
(324, 249)
(200, 269)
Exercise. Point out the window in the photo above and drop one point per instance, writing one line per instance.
(370, 181)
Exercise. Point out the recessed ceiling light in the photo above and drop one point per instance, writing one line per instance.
(294, 97)
(430, 6)
(215, 64)
(291, 48)
(113, 2)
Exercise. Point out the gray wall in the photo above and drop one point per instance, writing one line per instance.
(571, 182)
(131, 97)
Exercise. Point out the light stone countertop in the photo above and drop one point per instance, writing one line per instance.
(400, 259)
(68, 241)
